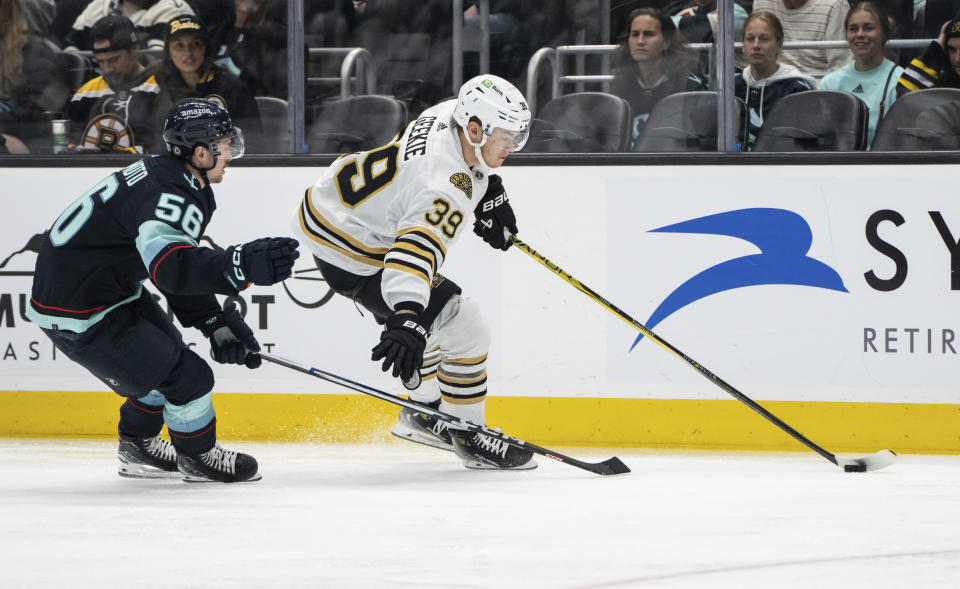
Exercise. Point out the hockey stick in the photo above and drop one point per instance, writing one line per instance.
(607, 467)
(875, 461)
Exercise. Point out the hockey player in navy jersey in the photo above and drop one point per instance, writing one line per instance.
(380, 224)
(144, 222)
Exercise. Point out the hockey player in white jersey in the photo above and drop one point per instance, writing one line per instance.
(381, 223)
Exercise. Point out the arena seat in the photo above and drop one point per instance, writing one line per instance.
(818, 120)
(925, 120)
(76, 68)
(685, 122)
(582, 122)
(356, 123)
(273, 116)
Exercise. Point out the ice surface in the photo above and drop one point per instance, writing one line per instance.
(401, 515)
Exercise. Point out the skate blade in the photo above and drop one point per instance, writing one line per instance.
(411, 435)
(189, 478)
(129, 470)
(478, 465)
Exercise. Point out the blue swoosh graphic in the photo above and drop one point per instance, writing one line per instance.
(783, 237)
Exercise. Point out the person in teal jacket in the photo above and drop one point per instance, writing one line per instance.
(871, 77)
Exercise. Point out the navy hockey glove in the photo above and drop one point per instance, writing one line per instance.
(263, 261)
(231, 339)
(401, 345)
(494, 218)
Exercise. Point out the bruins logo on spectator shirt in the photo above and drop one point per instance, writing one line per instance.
(462, 181)
(108, 132)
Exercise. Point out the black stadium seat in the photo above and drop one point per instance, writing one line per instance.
(818, 120)
(582, 122)
(77, 69)
(925, 120)
(356, 123)
(273, 116)
(686, 121)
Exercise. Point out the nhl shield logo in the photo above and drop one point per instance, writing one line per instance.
(462, 181)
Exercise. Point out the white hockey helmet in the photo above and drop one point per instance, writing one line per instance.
(496, 103)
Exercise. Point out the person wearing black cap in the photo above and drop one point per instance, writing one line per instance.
(115, 111)
(148, 16)
(188, 71)
(938, 66)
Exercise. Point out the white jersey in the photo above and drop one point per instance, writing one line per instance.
(398, 208)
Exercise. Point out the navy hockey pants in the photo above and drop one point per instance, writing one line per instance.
(136, 350)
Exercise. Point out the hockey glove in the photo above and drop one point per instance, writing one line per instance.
(264, 261)
(401, 345)
(494, 218)
(231, 339)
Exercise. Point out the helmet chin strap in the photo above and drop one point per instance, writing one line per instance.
(203, 171)
(480, 170)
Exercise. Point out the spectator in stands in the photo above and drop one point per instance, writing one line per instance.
(258, 46)
(217, 17)
(149, 16)
(697, 19)
(651, 63)
(507, 39)
(938, 66)
(67, 13)
(30, 85)
(871, 77)
(810, 20)
(766, 80)
(117, 110)
(188, 71)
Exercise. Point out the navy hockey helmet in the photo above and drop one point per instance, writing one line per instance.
(195, 121)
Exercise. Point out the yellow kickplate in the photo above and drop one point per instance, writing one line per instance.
(642, 423)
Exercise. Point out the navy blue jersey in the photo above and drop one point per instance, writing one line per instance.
(142, 222)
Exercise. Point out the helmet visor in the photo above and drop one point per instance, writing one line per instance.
(503, 138)
(236, 144)
(231, 143)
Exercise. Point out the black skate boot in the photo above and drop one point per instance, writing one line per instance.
(147, 458)
(480, 451)
(218, 465)
(422, 428)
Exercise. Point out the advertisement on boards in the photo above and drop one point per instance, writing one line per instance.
(819, 283)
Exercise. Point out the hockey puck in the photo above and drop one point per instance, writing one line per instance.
(855, 468)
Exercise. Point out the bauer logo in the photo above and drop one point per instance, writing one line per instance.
(783, 238)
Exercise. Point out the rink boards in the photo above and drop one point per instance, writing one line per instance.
(827, 293)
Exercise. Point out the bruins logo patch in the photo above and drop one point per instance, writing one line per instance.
(462, 181)
(108, 132)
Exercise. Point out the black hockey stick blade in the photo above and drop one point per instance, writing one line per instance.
(607, 467)
(614, 466)
(875, 461)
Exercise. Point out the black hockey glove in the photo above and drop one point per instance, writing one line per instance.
(263, 261)
(231, 339)
(494, 218)
(401, 345)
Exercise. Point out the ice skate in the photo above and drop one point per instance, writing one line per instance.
(218, 465)
(147, 458)
(422, 428)
(480, 451)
